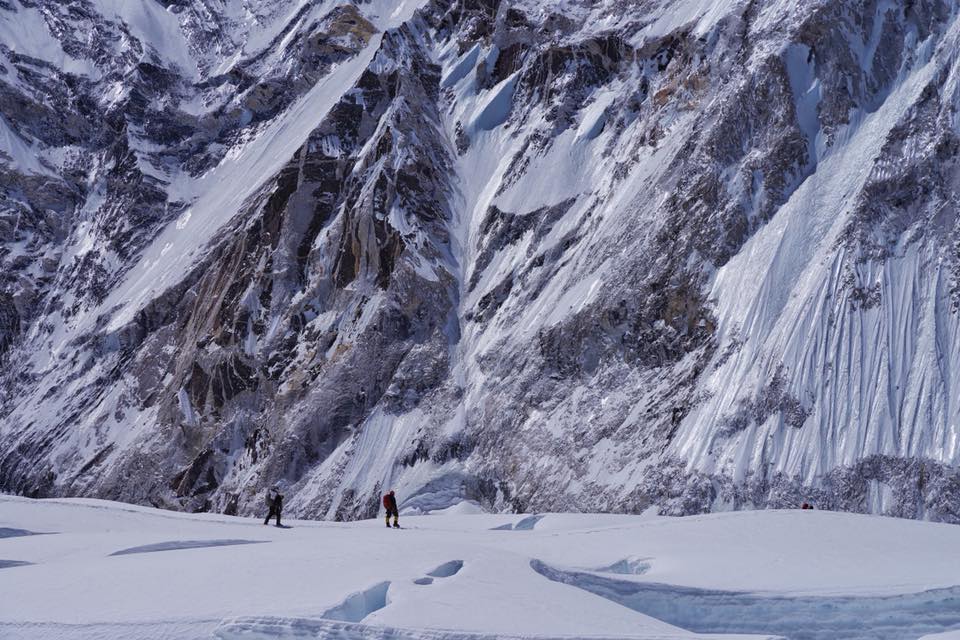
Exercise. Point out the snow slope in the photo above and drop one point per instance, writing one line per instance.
(106, 570)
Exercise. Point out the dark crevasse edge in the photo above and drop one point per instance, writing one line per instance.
(9, 532)
(6, 564)
(178, 545)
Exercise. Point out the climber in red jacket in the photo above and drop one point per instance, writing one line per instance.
(390, 504)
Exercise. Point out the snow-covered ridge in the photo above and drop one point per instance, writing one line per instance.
(536, 255)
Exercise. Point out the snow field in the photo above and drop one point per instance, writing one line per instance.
(105, 570)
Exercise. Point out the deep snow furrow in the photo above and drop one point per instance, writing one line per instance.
(896, 617)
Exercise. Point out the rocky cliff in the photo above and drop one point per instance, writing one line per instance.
(542, 255)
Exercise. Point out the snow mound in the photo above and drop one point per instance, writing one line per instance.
(631, 566)
(526, 524)
(463, 508)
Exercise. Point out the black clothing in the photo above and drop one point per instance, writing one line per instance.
(275, 508)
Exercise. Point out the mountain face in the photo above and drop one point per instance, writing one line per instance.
(561, 255)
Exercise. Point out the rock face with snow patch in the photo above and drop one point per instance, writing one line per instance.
(542, 256)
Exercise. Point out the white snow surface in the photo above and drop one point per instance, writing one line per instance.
(452, 576)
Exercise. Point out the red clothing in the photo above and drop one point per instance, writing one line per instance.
(390, 503)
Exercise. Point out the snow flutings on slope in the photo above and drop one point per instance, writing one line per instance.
(862, 376)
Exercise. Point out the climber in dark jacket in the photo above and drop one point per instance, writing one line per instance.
(275, 501)
(390, 504)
